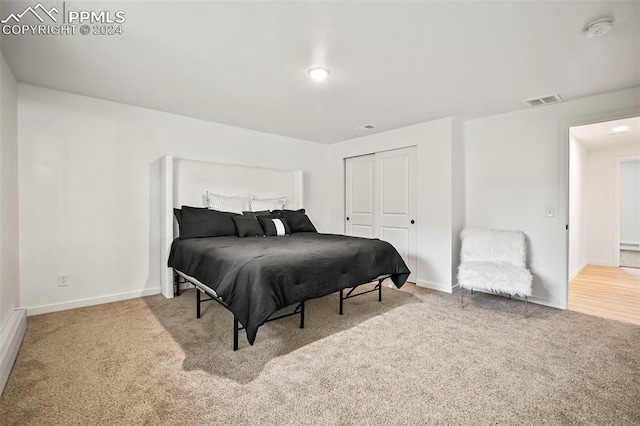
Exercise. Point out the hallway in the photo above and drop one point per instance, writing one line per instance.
(607, 292)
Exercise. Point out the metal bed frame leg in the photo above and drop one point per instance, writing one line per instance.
(197, 303)
(341, 300)
(235, 333)
(379, 290)
(302, 315)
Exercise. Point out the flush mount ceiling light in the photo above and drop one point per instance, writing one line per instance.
(318, 73)
(621, 129)
(598, 27)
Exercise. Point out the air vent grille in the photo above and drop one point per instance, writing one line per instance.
(543, 100)
(366, 127)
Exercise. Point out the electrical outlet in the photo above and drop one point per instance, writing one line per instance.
(63, 280)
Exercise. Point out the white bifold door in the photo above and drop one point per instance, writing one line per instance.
(380, 200)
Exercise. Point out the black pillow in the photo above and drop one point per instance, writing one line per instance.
(274, 225)
(248, 227)
(203, 222)
(178, 214)
(291, 211)
(254, 214)
(297, 220)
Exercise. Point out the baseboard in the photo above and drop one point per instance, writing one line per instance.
(81, 303)
(577, 271)
(601, 263)
(545, 302)
(531, 299)
(11, 337)
(434, 286)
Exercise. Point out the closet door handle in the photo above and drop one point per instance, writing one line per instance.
(413, 221)
(347, 217)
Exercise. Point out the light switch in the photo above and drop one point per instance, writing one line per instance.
(550, 212)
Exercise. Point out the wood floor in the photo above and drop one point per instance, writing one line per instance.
(607, 292)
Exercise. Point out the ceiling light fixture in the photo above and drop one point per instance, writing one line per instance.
(621, 129)
(598, 27)
(318, 73)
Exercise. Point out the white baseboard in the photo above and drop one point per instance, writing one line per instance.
(531, 299)
(434, 286)
(546, 302)
(11, 337)
(80, 303)
(577, 271)
(601, 263)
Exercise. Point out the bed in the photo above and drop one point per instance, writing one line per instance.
(259, 279)
(256, 277)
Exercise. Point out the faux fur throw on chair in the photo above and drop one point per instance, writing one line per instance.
(495, 261)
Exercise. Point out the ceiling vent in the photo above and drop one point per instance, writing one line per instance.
(366, 127)
(543, 100)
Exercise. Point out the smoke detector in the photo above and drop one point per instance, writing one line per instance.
(598, 27)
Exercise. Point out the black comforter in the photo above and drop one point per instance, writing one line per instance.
(257, 276)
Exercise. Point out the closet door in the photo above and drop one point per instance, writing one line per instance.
(395, 207)
(359, 192)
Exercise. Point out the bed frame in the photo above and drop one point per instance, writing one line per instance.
(188, 182)
(296, 309)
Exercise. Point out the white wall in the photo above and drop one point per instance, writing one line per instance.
(12, 320)
(601, 198)
(516, 165)
(439, 179)
(9, 273)
(89, 185)
(630, 201)
(578, 211)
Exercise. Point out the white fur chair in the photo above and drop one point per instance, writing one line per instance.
(494, 261)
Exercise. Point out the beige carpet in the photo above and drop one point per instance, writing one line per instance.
(630, 258)
(412, 359)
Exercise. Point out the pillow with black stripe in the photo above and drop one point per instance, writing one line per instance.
(274, 225)
(297, 219)
(200, 223)
(248, 227)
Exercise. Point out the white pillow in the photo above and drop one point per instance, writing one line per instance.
(268, 204)
(223, 203)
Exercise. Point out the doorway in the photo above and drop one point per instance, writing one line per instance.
(628, 177)
(602, 219)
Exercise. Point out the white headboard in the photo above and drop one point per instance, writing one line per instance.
(186, 182)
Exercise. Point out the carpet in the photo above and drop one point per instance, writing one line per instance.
(412, 359)
(630, 258)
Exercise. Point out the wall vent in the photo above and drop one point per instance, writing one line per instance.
(543, 100)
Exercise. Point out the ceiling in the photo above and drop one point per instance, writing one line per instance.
(601, 135)
(392, 63)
